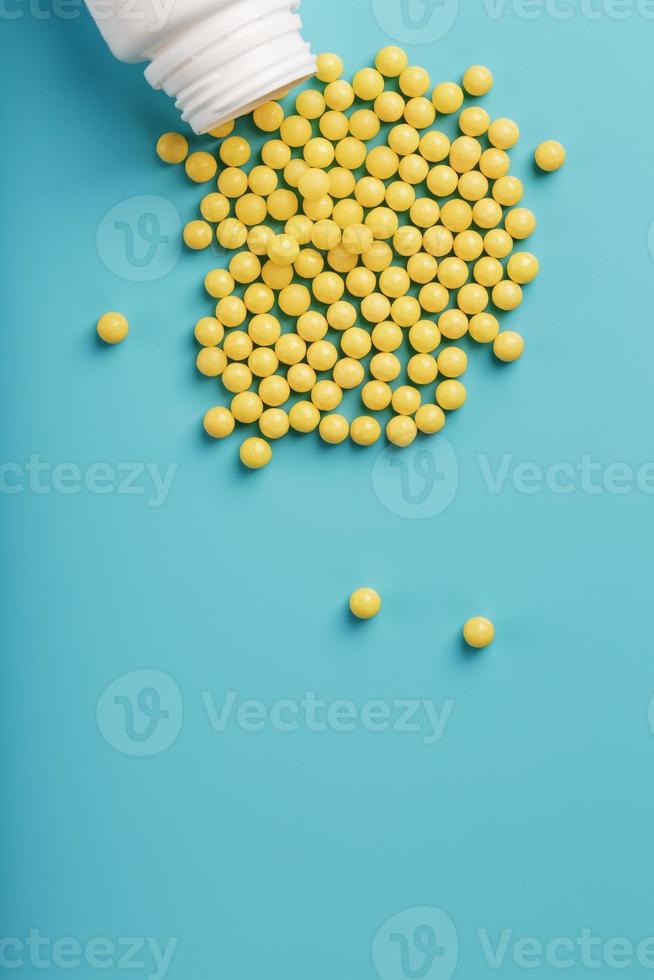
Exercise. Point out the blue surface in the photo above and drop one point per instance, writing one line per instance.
(269, 853)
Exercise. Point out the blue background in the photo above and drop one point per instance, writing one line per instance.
(281, 854)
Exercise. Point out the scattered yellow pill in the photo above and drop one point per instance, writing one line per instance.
(483, 328)
(274, 423)
(310, 103)
(365, 430)
(172, 148)
(477, 80)
(334, 428)
(376, 395)
(507, 295)
(348, 373)
(430, 419)
(414, 81)
(389, 106)
(367, 84)
(339, 95)
(452, 362)
(231, 233)
(218, 422)
(235, 151)
(268, 117)
(391, 61)
(208, 331)
(478, 632)
(275, 154)
(214, 207)
(522, 267)
(405, 400)
(236, 377)
(365, 603)
(508, 346)
(450, 395)
(520, 223)
(245, 267)
(211, 362)
(304, 416)
(334, 125)
(385, 366)
(364, 124)
(503, 133)
(246, 407)
(401, 430)
(447, 97)
(549, 155)
(326, 395)
(112, 327)
(422, 369)
(330, 67)
(322, 355)
(283, 249)
(255, 453)
(301, 377)
(201, 166)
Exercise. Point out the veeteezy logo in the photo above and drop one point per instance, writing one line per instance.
(133, 953)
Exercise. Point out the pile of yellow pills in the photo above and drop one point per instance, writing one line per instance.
(372, 236)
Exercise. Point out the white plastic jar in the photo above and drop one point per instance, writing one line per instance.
(217, 58)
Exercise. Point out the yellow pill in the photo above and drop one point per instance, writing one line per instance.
(201, 166)
(507, 295)
(237, 345)
(326, 395)
(364, 124)
(403, 139)
(385, 367)
(405, 311)
(334, 125)
(442, 180)
(301, 377)
(274, 390)
(452, 362)
(456, 215)
(275, 154)
(299, 227)
(283, 249)
(486, 213)
(320, 209)
(274, 423)
(520, 223)
(328, 287)
(309, 263)
(422, 369)
(231, 311)
(365, 603)
(419, 113)
(498, 243)
(268, 117)
(394, 281)
(414, 81)
(348, 373)
(223, 130)
(334, 429)
(218, 422)
(360, 282)
(434, 146)
(237, 377)
(376, 395)
(295, 299)
(304, 416)
(508, 191)
(488, 271)
(447, 97)
(282, 204)
(347, 212)
(263, 362)
(235, 151)
(259, 238)
(387, 336)
(430, 419)
(433, 297)
(264, 329)
(295, 131)
(452, 273)
(382, 162)
(232, 182)
(339, 95)
(483, 328)
(413, 169)
(172, 148)
(389, 106)
(383, 222)
(211, 361)
(421, 267)
(375, 308)
(310, 104)
(290, 348)
(474, 121)
(218, 283)
(255, 453)
(453, 324)
(522, 267)
(368, 84)
(478, 632)
(245, 267)
(208, 331)
(350, 153)
(311, 326)
(400, 196)
(330, 67)
(465, 153)
(262, 180)
(477, 80)
(424, 336)
(472, 186)
(468, 245)
(378, 257)
(391, 61)
(503, 133)
(369, 192)
(342, 182)
(214, 207)
(356, 342)
(549, 155)
(437, 241)
(231, 233)
(198, 234)
(276, 276)
(508, 346)
(246, 407)
(424, 212)
(401, 430)
(494, 163)
(405, 400)
(472, 298)
(341, 315)
(294, 170)
(357, 238)
(450, 395)
(322, 355)
(365, 430)
(112, 327)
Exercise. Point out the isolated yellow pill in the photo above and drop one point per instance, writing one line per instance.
(274, 423)
(334, 428)
(172, 148)
(208, 331)
(268, 117)
(365, 603)
(430, 418)
(478, 632)
(447, 97)
(550, 155)
(401, 430)
(246, 407)
(522, 267)
(198, 234)
(503, 133)
(383, 222)
(477, 80)
(365, 430)
(235, 151)
(391, 61)
(112, 327)
(236, 377)
(508, 346)
(330, 67)
(350, 153)
(375, 307)
(211, 362)
(414, 81)
(450, 395)
(218, 422)
(255, 453)
(303, 416)
(201, 166)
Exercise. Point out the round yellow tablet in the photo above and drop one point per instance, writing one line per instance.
(508, 346)
(549, 155)
(450, 395)
(211, 362)
(330, 67)
(389, 106)
(172, 148)
(507, 295)
(365, 430)
(310, 103)
(401, 430)
(414, 81)
(376, 395)
(214, 207)
(520, 223)
(255, 453)
(326, 395)
(246, 407)
(452, 362)
(477, 80)
(218, 422)
(430, 418)
(478, 632)
(391, 61)
(348, 373)
(198, 234)
(236, 377)
(274, 423)
(112, 327)
(201, 166)
(268, 117)
(365, 603)
(522, 267)
(447, 97)
(304, 416)
(208, 331)
(503, 133)
(333, 428)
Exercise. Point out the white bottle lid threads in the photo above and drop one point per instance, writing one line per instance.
(229, 63)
